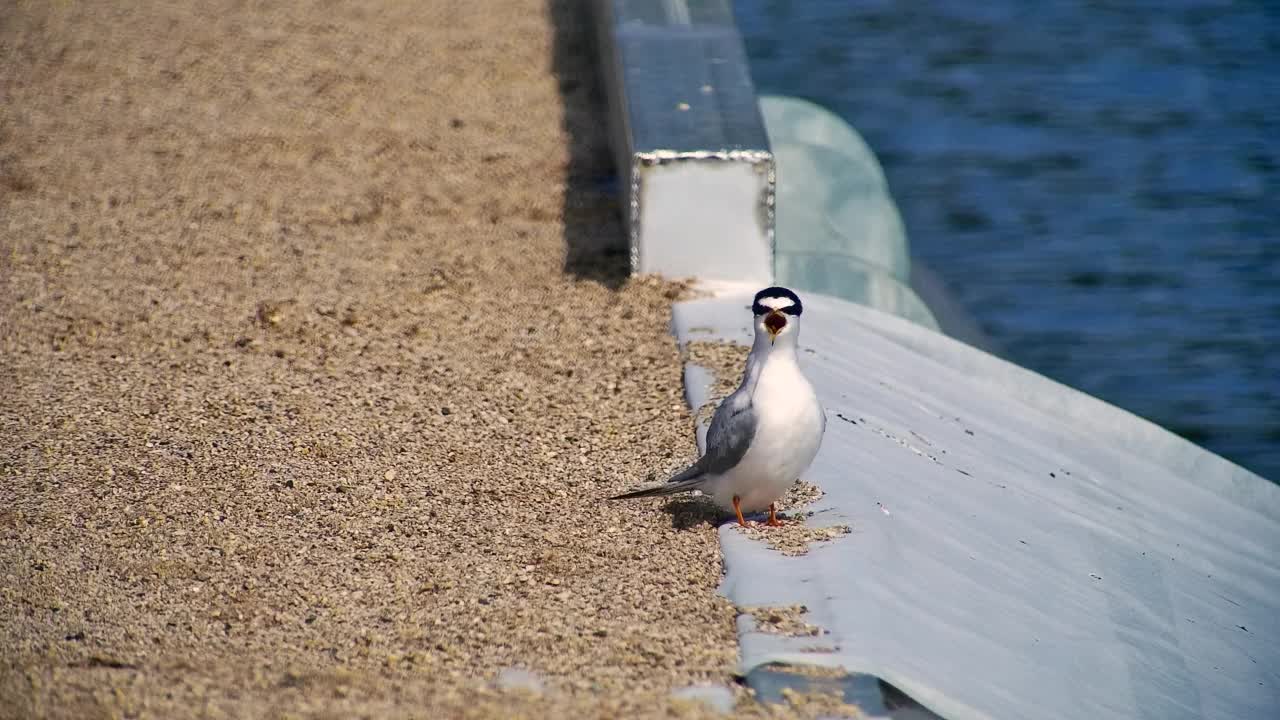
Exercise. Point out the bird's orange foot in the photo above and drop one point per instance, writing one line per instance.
(737, 508)
(773, 517)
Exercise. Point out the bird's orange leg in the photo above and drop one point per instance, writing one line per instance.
(773, 517)
(738, 509)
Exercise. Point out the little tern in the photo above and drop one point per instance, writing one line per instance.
(768, 431)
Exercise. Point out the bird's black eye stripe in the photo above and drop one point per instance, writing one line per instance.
(762, 309)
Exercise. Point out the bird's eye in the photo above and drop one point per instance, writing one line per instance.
(757, 309)
(792, 310)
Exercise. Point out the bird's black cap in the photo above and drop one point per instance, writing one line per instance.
(780, 293)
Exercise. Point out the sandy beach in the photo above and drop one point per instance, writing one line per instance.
(318, 357)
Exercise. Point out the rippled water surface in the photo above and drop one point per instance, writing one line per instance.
(1099, 182)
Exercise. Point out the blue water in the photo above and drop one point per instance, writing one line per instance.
(1099, 183)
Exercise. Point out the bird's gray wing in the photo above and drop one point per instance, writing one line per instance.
(732, 429)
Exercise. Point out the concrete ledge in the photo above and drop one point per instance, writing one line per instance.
(689, 140)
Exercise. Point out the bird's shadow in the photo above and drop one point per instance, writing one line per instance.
(691, 512)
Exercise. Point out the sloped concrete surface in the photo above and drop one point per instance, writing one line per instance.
(1018, 549)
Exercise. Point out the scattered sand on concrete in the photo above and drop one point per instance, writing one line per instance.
(794, 537)
(302, 412)
(825, 703)
(725, 361)
(786, 620)
(799, 498)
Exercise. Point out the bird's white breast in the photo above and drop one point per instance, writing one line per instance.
(789, 426)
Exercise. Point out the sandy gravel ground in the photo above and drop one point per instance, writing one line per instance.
(304, 409)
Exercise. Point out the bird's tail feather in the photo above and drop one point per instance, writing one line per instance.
(669, 488)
